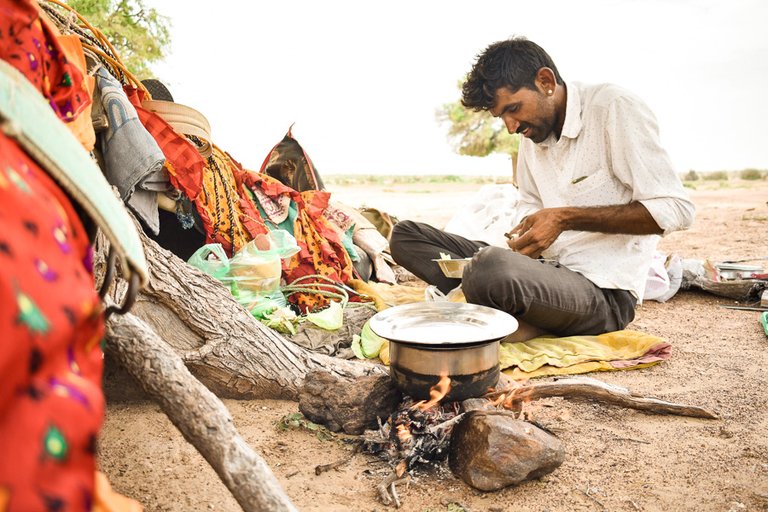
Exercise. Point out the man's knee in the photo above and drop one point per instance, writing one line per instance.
(489, 269)
(402, 234)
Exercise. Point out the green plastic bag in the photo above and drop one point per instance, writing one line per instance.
(211, 259)
(253, 274)
(256, 267)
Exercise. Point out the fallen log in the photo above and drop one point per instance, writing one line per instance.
(228, 350)
(587, 388)
(196, 412)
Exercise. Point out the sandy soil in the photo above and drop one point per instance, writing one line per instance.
(617, 459)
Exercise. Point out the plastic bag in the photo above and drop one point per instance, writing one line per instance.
(211, 259)
(657, 282)
(256, 267)
(253, 274)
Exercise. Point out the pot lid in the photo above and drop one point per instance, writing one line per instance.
(442, 323)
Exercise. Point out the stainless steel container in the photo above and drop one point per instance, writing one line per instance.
(473, 368)
(431, 339)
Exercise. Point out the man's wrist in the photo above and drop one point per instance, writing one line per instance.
(565, 218)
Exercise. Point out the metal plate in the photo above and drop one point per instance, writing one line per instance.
(442, 323)
(744, 268)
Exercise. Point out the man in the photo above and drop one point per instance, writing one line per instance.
(596, 190)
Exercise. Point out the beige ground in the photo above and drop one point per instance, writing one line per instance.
(617, 459)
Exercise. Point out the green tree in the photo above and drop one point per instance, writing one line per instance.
(139, 34)
(477, 133)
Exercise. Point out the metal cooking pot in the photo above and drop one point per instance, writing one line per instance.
(431, 339)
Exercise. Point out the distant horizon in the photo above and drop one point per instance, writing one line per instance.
(478, 176)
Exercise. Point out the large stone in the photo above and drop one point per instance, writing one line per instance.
(349, 405)
(491, 449)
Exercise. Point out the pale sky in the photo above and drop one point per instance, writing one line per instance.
(362, 80)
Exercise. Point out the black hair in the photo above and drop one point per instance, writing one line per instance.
(512, 63)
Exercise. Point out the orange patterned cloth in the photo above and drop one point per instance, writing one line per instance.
(321, 250)
(51, 403)
(229, 216)
(29, 44)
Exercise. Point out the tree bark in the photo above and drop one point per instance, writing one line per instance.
(231, 352)
(197, 413)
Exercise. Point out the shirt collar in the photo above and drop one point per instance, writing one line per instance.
(572, 124)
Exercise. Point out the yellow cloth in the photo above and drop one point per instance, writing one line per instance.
(545, 356)
(385, 295)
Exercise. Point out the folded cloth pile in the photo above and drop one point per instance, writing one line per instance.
(619, 350)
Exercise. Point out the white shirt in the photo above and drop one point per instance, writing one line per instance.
(608, 154)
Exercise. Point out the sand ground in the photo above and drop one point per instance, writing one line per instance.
(617, 459)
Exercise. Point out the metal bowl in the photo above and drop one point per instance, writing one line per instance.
(453, 268)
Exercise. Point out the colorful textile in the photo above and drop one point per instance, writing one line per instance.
(184, 164)
(385, 295)
(619, 350)
(82, 126)
(321, 249)
(30, 45)
(228, 218)
(51, 404)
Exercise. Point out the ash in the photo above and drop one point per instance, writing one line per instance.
(412, 436)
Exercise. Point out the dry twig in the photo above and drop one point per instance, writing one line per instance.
(388, 491)
(322, 468)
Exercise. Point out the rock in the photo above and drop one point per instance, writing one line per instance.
(349, 405)
(491, 449)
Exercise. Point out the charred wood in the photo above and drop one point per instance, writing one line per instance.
(351, 405)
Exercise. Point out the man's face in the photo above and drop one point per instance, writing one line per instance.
(527, 112)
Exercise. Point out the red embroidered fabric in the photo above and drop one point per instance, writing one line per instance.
(187, 166)
(28, 44)
(51, 403)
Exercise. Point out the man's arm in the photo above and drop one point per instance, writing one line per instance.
(659, 203)
(539, 230)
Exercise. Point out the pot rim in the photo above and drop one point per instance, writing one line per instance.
(442, 324)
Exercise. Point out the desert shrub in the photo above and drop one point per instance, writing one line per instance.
(691, 176)
(716, 176)
(751, 174)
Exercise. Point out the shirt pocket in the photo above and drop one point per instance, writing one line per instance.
(598, 188)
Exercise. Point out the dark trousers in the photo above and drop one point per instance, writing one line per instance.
(541, 293)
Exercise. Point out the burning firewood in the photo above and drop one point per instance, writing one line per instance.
(413, 436)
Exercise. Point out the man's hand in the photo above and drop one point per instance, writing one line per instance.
(539, 230)
(536, 232)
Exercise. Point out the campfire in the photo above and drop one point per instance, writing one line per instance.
(419, 432)
(490, 442)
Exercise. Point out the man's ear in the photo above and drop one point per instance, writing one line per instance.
(546, 81)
